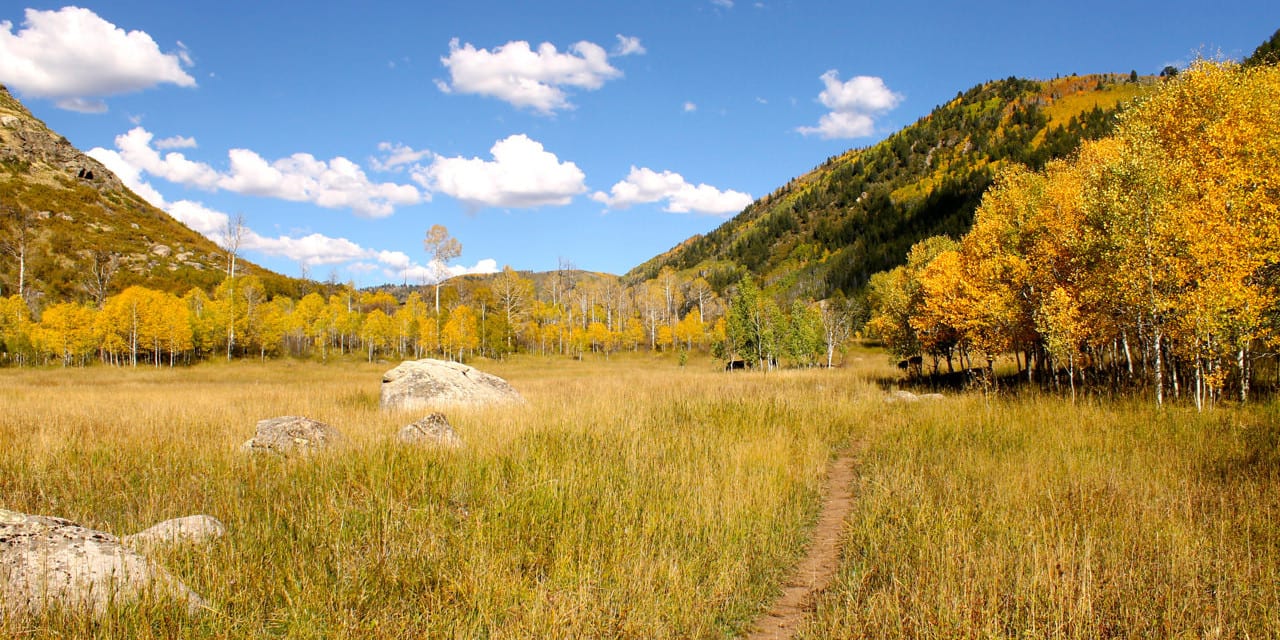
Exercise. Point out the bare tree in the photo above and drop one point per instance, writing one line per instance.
(16, 241)
(232, 237)
(97, 278)
(841, 317)
(442, 248)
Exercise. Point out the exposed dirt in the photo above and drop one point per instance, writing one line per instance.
(816, 571)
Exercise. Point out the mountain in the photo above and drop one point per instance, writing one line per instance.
(66, 222)
(859, 212)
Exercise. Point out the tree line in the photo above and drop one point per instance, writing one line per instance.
(1150, 258)
(572, 313)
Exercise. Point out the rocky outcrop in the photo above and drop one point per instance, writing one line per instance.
(290, 435)
(188, 530)
(46, 560)
(24, 138)
(433, 430)
(423, 384)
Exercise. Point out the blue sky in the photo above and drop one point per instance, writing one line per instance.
(596, 132)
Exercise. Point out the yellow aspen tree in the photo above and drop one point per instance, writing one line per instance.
(65, 332)
(460, 332)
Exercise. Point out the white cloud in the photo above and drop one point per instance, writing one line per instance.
(628, 45)
(176, 142)
(310, 249)
(524, 78)
(645, 185)
(333, 184)
(200, 218)
(397, 157)
(853, 104)
(522, 174)
(690, 107)
(725, 4)
(72, 55)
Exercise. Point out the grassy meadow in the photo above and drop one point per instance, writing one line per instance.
(634, 498)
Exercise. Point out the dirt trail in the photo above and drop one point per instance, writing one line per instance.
(816, 571)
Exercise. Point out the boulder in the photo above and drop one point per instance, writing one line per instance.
(288, 435)
(188, 530)
(422, 384)
(431, 430)
(46, 560)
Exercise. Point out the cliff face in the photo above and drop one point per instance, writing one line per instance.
(25, 140)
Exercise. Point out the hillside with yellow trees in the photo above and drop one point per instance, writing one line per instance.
(1150, 258)
(830, 229)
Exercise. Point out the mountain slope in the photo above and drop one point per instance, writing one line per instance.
(859, 212)
(70, 217)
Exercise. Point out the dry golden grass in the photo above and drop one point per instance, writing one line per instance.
(1036, 517)
(637, 499)
(630, 498)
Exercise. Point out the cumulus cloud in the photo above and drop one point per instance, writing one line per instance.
(522, 174)
(853, 104)
(690, 107)
(334, 184)
(72, 56)
(525, 78)
(311, 249)
(644, 185)
(628, 45)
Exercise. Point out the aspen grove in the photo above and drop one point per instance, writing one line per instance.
(1151, 258)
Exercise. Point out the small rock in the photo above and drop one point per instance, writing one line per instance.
(432, 430)
(46, 560)
(287, 435)
(188, 530)
(908, 397)
(423, 384)
(901, 396)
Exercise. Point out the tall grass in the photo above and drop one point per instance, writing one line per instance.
(629, 499)
(1039, 518)
(633, 498)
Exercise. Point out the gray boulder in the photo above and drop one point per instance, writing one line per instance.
(431, 430)
(188, 530)
(423, 384)
(287, 435)
(46, 560)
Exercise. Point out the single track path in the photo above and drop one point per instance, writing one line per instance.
(818, 568)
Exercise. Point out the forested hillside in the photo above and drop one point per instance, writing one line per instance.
(69, 230)
(859, 212)
(1148, 259)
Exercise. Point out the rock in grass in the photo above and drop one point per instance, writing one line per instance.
(422, 384)
(431, 430)
(908, 397)
(188, 530)
(51, 561)
(287, 435)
